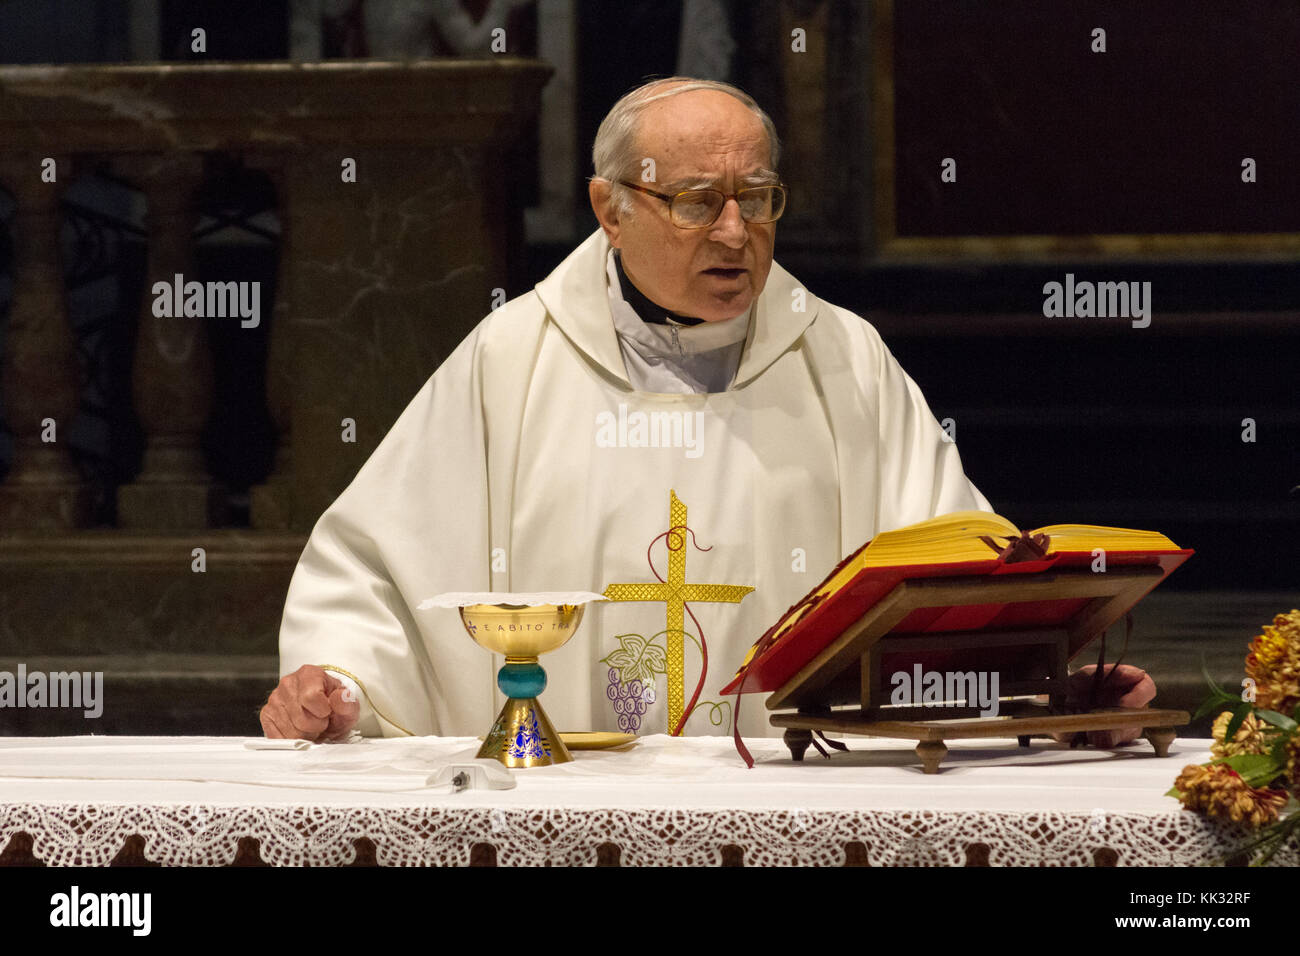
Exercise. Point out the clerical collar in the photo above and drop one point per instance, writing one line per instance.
(673, 358)
(646, 310)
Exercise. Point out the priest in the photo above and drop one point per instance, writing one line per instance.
(669, 405)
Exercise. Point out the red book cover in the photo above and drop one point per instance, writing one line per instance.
(819, 622)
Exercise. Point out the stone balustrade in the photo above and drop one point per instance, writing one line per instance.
(379, 279)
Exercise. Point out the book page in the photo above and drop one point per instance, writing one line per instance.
(1088, 537)
(946, 539)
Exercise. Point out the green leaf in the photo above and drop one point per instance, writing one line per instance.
(1214, 688)
(1278, 751)
(1278, 835)
(1276, 719)
(1218, 696)
(1175, 793)
(1238, 718)
(1211, 703)
(1258, 770)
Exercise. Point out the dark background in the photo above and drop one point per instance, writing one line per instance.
(1057, 420)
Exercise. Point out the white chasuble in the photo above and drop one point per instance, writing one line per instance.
(528, 462)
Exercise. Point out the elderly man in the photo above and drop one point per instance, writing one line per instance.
(668, 405)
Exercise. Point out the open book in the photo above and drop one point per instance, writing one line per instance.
(956, 544)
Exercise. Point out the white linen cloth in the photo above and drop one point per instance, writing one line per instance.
(683, 771)
(194, 798)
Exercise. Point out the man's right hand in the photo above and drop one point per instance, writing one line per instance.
(310, 704)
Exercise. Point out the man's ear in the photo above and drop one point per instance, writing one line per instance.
(600, 191)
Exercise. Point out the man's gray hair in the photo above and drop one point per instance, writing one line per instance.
(614, 152)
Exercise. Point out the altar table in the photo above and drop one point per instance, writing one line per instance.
(202, 801)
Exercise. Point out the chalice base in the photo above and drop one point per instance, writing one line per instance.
(522, 736)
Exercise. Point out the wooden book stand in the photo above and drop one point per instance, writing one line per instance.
(852, 668)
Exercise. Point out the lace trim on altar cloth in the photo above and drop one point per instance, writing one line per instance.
(202, 835)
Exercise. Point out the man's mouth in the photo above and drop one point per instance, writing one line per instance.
(725, 273)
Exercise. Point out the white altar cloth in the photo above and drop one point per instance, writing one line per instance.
(661, 801)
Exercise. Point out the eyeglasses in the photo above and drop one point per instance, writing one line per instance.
(700, 208)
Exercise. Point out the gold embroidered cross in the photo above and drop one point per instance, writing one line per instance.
(675, 592)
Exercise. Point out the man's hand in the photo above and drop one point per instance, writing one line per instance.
(1128, 686)
(310, 704)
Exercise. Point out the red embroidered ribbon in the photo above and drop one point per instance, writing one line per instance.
(1100, 676)
(764, 643)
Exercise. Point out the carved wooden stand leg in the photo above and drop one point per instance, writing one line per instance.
(931, 753)
(798, 741)
(1161, 738)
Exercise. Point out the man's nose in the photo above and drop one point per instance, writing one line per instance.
(730, 225)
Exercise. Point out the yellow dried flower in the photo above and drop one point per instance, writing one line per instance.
(1274, 664)
(1268, 647)
(1218, 791)
(1250, 738)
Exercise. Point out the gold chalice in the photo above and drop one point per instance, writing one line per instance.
(520, 627)
(522, 735)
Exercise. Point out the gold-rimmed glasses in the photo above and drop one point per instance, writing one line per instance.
(700, 208)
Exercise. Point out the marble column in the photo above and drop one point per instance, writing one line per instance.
(40, 376)
(554, 218)
(172, 371)
(271, 503)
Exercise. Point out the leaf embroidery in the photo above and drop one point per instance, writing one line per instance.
(637, 659)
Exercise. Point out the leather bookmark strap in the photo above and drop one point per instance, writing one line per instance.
(1025, 547)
